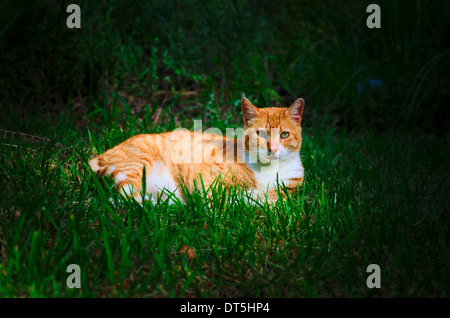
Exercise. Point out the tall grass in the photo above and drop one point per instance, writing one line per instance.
(366, 200)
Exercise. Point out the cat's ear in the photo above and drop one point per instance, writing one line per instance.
(249, 110)
(295, 111)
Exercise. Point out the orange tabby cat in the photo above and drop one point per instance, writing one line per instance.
(266, 154)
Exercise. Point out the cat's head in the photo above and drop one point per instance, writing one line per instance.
(273, 132)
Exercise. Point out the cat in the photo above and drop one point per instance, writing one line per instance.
(265, 156)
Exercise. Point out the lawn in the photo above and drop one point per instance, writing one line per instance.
(375, 148)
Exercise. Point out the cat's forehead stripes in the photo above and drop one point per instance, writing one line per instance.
(273, 118)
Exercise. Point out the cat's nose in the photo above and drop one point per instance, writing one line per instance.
(273, 149)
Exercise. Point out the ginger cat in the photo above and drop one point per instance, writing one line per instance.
(266, 154)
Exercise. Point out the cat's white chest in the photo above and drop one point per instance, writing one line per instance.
(268, 176)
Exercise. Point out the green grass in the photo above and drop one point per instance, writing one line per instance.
(376, 159)
(367, 199)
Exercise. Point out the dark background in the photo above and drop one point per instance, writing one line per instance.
(208, 54)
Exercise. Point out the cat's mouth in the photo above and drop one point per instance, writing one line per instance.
(263, 156)
(273, 156)
(266, 156)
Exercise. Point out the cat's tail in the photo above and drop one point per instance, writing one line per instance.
(100, 167)
(95, 166)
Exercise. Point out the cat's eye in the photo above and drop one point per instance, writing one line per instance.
(284, 134)
(261, 133)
